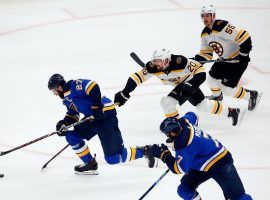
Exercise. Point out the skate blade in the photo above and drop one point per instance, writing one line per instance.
(258, 101)
(241, 116)
(91, 172)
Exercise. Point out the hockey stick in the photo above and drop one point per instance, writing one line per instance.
(45, 136)
(141, 63)
(161, 177)
(137, 59)
(45, 165)
(218, 60)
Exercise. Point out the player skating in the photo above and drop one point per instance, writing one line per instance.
(227, 42)
(199, 157)
(186, 76)
(84, 96)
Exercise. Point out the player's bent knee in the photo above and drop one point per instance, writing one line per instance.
(202, 104)
(72, 139)
(226, 89)
(112, 160)
(167, 102)
(185, 192)
(245, 197)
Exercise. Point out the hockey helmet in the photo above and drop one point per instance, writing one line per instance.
(55, 81)
(161, 54)
(208, 9)
(170, 125)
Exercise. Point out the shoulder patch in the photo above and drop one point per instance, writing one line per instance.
(219, 25)
(205, 31)
(178, 62)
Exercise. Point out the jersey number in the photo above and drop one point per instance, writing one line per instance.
(191, 66)
(78, 84)
(206, 136)
(229, 29)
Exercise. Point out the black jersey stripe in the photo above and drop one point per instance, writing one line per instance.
(218, 107)
(242, 35)
(139, 77)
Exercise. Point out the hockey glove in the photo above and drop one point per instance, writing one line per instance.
(160, 152)
(121, 98)
(61, 127)
(150, 67)
(97, 112)
(184, 89)
(243, 57)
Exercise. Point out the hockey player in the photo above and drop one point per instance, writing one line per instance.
(227, 42)
(186, 76)
(84, 96)
(199, 157)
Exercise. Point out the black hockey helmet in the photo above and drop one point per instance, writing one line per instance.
(55, 81)
(170, 125)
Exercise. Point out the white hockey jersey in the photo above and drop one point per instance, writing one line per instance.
(182, 70)
(224, 39)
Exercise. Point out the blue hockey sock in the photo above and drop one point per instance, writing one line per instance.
(129, 154)
(82, 152)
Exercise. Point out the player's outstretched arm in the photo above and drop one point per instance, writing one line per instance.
(162, 152)
(133, 81)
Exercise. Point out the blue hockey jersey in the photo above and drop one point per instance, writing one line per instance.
(80, 95)
(194, 149)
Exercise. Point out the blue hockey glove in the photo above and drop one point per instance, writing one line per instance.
(160, 152)
(61, 127)
(97, 112)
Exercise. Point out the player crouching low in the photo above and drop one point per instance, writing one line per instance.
(84, 96)
(199, 157)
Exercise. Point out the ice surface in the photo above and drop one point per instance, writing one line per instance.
(93, 39)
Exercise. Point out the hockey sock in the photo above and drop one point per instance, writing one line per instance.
(211, 106)
(82, 152)
(129, 154)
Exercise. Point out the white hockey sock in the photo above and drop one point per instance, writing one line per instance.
(211, 106)
(168, 105)
(215, 85)
(236, 92)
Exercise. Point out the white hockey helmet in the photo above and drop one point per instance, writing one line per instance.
(161, 55)
(208, 9)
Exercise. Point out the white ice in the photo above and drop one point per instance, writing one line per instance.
(93, 39)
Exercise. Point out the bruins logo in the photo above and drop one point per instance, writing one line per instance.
(217, 48)
(178, 60)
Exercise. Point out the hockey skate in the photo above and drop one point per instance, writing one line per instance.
(254, 99)
(237, 115)
(148, 155)
(218, 98)
(87, 168)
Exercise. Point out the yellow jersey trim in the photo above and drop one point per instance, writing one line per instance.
(215, 160)
(191, 134)
(90, 87)
(67, 93)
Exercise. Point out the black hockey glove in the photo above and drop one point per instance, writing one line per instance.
(243, 57)
(185, 89)
(97, 112)
(61, 127)
(160, 152)
(121, 98)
